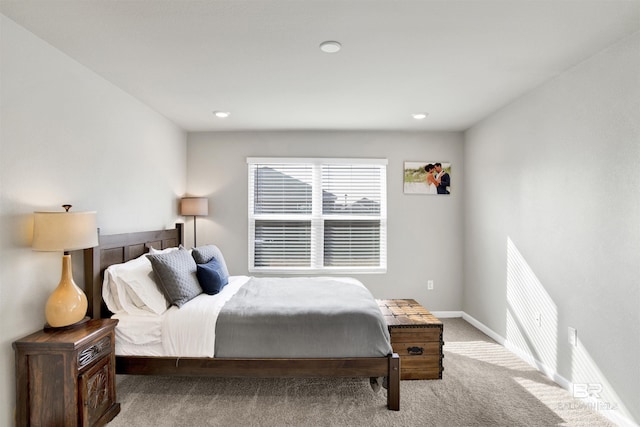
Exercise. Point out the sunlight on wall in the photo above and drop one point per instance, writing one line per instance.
(532, 316)
(589, 384)
(532, 331)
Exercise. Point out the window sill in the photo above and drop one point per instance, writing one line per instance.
(318, 271)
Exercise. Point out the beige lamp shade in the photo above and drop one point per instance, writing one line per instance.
(194, 206)
(64, 231)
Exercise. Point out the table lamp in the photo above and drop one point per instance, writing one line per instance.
(65, 231)
(194, 206)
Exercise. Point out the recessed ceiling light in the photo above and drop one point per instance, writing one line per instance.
(330, 46)
(221, 114)
(419, 116)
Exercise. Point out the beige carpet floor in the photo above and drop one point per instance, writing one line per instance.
(483, 385)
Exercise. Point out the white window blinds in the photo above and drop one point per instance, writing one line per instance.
(317, 215)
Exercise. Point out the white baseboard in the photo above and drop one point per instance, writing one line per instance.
(483, 328)
(614, 416)
(550, 373)
(447, 314)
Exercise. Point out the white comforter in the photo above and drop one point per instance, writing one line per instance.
(187, 331)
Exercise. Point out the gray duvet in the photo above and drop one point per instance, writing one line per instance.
(301, 318)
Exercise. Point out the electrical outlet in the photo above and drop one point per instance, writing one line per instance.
(573, 336)
(430, 285)
(539, 319)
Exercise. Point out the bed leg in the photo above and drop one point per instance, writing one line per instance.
(393, 390)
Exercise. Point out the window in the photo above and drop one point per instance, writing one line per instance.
(317, 215)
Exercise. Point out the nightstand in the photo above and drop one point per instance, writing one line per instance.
(66, 377)
(416, 335)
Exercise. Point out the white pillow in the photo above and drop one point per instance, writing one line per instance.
(154, 251)
(133, 289)
(110, 293)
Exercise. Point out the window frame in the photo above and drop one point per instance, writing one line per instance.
(317, 218)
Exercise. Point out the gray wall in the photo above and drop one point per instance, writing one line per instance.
(424, 232)
(552, 223)
(68, 135)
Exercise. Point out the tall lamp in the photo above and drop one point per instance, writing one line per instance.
(194, 206)
(65, 231)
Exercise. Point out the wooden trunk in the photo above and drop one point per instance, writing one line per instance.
(416, 335)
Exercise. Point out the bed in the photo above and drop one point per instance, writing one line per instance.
(120, 248)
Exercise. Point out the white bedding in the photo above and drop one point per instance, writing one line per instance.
(190, 331)
(138, 329)
(128, 349)
(177, 331)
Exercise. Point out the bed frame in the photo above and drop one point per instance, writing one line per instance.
(120, 248)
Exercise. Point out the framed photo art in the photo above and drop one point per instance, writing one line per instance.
(429, 177)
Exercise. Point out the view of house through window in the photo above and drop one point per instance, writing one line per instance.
(320, 215)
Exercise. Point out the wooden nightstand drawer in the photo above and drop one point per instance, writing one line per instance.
(96, 393)
(94, 352)
(66, 377)
(416, 335)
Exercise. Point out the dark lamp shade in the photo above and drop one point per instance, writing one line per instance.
(64, 231)
(194, 206)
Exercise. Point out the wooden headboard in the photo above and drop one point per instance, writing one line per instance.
(116, 249)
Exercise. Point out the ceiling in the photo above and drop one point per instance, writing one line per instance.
(457, 60)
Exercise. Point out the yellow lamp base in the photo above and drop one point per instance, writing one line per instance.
(67, 304)
(48, 328)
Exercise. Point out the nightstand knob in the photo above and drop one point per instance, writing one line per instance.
(92, 353)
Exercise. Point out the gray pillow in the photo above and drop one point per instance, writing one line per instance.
(204, 254)
(176, 273)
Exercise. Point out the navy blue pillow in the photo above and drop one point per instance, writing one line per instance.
(212, 277)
